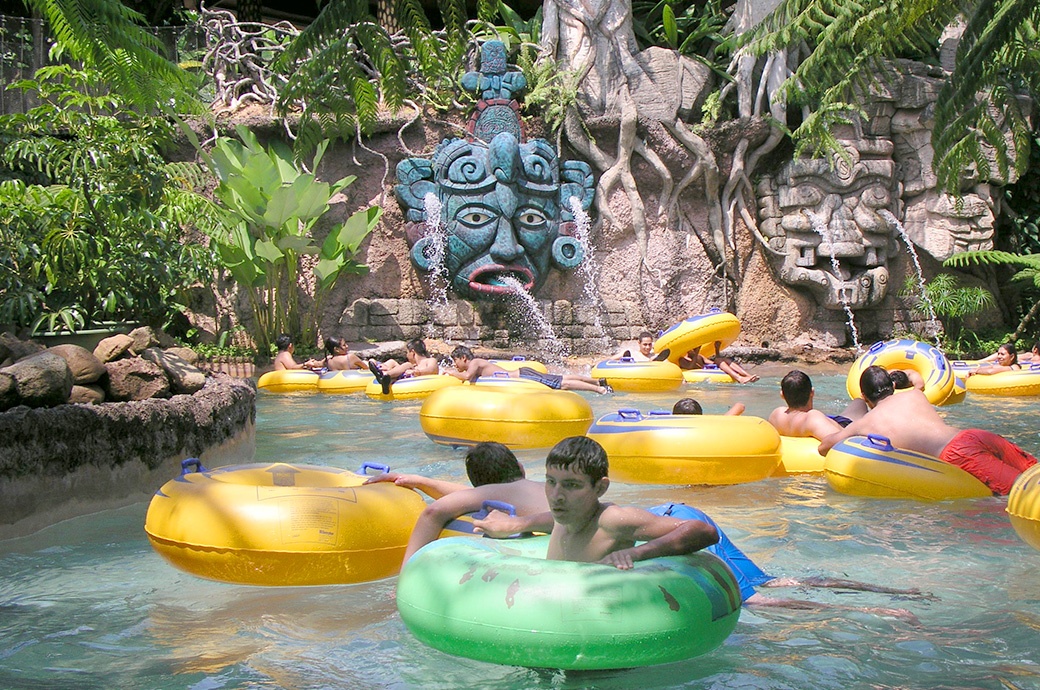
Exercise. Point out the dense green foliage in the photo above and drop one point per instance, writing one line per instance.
(272, 206)
(90, 230)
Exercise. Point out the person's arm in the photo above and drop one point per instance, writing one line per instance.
(831, 440)
(735, 410)
(499, 525)
(434, 488)
(438, 514)
(663, 536)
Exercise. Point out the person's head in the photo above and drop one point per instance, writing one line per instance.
(283, 342)
(418, 346)
(492, 463)
(336, 346)
(687, 406)
(900, 380)
(796, 389)
(1036, 349)
(875, 384)
(575, 478)
(646, 343)
(1007, 355)
(461, 356)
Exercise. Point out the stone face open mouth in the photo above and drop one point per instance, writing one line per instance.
(490, 280)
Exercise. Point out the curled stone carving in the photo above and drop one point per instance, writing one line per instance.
(504, 204)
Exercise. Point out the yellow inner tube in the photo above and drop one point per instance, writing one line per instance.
(702, 330)
(1025, 381)
(1023, 507)
(412, 388)
(871, 466)
(514, 416)
(626, 374)
(923, 358)
(288, 381)
(799, 455)
(662, 448)
(280, 524)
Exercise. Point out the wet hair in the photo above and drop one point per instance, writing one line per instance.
(645, 334)
(492, 463)
(1010, 347)
(283, 341)
(875, 384)
(418, 346)
(899, 379)
(1036, 346)
(796, 387)
(462, 352)
(580, 454)
(687, 406)
(331, 343)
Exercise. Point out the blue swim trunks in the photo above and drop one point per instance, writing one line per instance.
(554, 381)
(842, 421)
(748, 574)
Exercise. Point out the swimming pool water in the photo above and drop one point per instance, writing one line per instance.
(87, 604)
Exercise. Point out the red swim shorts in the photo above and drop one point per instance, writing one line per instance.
(993, 459)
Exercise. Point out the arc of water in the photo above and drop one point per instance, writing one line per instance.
(437, 248)
(933, 319)
(821, 229)
(588, 269)
(526, 301)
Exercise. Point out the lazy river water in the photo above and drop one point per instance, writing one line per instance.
(87, 604)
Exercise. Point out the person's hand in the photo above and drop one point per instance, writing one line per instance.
(384, 477)
(622, 560)
(498, 525)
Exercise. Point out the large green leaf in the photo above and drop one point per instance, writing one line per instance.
(358, 227)
(269, 251)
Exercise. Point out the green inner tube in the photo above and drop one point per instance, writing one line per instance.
(501, 601)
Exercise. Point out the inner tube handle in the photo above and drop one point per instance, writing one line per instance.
(365, 466)
(626, 360)
(192, 462)
(500, 374)
(518, 358)
(879, 345)
(629, 413)
(879, 441)
(487, 506)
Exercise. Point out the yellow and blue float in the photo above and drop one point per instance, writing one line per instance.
(516, 417)
(626, 374)
(925, 359)
(411, 387)
(1024, 381)
(288, 381)
(518, 362)
(871, 466)
(709, 374)
(662, 448)
(1023, 506)
(280, 524)
(959, 392)
(500, 601)
(799, 455)
(699, 331)
(344, 381)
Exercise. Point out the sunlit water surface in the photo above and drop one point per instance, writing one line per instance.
(88, 604)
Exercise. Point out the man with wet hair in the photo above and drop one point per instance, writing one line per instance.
(799, 418)
(910, 422)
(470, 368)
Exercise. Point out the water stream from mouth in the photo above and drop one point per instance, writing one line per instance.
(821, 229)
(933, 320)
(588, 270)
(436, 248)
(526, 312)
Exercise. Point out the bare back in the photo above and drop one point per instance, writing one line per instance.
(426, 366)
(908, 420)
(803, 423)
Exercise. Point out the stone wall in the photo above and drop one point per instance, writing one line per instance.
(59, 462)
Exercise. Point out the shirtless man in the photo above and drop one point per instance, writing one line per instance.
(496, 475)
(910, 422)
(470, 368)
(798, 418)
(419, 363)
(645, 353)
(695, 360)
(285, 360)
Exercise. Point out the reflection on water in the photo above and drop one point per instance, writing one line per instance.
(87, 603)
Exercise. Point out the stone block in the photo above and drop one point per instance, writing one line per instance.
(562, 312)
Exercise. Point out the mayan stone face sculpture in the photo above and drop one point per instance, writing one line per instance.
(504, 205)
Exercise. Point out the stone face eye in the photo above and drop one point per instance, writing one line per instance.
(532, 218)
(474, 217)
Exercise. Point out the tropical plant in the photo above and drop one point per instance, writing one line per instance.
(1028, 276)
(91, 227)
(949, 302)
(268, 247)
(695, 29)
(979, 116)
